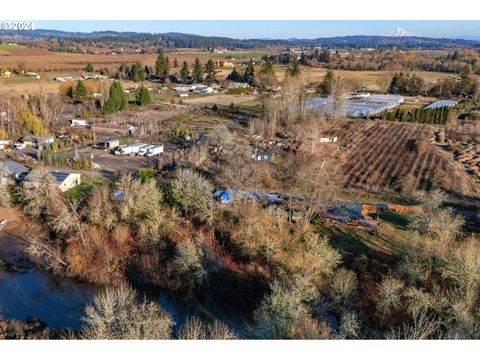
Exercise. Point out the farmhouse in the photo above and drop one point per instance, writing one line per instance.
(14, 169)
(123, 129)
(64, 180)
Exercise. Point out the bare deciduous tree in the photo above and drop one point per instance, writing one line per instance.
(389, 295)
(196, 329)
(116, 314)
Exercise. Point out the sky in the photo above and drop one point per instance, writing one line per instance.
(281, 29)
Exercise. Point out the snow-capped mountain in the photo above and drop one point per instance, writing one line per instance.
(399, 32)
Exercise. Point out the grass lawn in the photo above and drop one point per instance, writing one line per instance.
(79, 192)
(352, 243)
(400, 221)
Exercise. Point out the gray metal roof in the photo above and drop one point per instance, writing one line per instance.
(359, 105)
(14, 167)
(442, 103)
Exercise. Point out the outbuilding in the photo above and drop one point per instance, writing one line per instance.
(14, 169)
(78, 122)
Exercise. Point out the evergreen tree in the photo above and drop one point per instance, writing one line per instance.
(303, 59)
(465, 84)
(89, 68)
(143, 96)
(235, 76)
(249, 75)
(184, 73)
(197, 72)
(117, 99)
(210, 71)
(326, 87)
(80, 89)
(161, 65)
(137, 72)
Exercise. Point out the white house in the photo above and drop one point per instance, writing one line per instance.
(66, 180)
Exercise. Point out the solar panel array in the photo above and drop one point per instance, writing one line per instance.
(59, 176)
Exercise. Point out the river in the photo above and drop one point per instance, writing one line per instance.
(60, 302)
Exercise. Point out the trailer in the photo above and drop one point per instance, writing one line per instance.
(78, 122)
(124, 150)
(144, 149)
(155, 150)
(136, 147)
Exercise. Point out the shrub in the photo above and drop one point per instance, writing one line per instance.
(282, 312)
(189, 265)
(343, 289)
(193, 193)
(116, 314)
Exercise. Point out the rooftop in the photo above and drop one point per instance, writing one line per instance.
(60, 176)
(442, 103)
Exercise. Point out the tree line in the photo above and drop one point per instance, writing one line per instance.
(466, 86)
(438, 116)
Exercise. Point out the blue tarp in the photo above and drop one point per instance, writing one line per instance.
(225, 197)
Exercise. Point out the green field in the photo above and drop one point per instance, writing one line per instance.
(6, 47)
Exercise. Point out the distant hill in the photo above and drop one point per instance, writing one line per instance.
(375, 41)
(400, 38)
